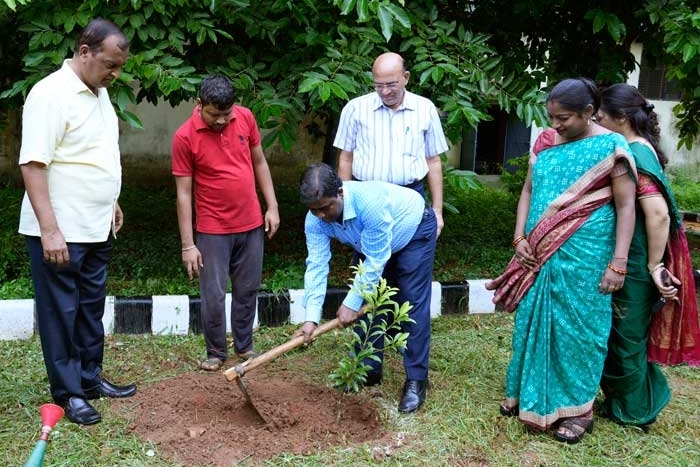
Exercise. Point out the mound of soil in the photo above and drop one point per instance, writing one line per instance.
(201, 418)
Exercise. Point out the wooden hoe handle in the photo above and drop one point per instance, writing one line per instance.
(239, 370)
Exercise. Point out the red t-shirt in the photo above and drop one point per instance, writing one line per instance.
(225, 196)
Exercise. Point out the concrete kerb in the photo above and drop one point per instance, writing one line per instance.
(180, 314)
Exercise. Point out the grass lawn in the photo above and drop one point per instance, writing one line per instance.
(458, 427)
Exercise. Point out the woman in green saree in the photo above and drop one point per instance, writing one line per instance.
(635, 388)
(573, 228)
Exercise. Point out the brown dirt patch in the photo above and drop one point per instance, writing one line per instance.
(203, 419)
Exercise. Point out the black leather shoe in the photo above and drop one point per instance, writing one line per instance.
(373, 379)
(103, 388)
(79, 411)
(414, 392)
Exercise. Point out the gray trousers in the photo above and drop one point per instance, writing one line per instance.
(237, 257)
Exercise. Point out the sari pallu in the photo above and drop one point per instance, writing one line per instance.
(562, 322)
(674, 335)
(561, 219)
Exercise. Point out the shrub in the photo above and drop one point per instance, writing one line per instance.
(515, 173)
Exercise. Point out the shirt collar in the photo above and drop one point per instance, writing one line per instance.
(73, 81)
(198, 121)
(408, 102)
(348, 201)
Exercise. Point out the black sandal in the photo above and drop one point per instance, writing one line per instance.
(577, 426)
(645, 427)
(509, 411)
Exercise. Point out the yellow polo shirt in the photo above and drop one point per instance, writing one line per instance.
(76, 135)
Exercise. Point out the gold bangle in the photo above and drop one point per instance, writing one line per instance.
(518, 239)
(617, 270)
(189, 248)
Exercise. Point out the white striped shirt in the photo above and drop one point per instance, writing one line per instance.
(387, 145)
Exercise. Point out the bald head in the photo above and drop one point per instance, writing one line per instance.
(388, 62)
(390, 78)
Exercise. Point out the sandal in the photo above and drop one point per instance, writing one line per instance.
(576, 427)
(509, 411)
(211, 364)
(645, 427)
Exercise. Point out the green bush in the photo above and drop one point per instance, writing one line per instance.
(685, 183)
(146, 260)
(515, 173)
(14, 258)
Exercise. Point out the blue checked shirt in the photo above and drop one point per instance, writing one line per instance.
(378, 220)
(389, 145)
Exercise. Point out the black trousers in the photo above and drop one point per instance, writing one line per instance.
(70, 303)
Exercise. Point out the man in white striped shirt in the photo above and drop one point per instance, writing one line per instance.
(393, 135)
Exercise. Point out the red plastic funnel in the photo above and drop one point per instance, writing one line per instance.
(50, 414)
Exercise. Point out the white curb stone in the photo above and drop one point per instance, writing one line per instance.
(171, 314)
(17, 320)
(480, 298)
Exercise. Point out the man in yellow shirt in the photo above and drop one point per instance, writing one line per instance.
(72, 174)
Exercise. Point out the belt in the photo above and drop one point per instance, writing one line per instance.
(415, 184)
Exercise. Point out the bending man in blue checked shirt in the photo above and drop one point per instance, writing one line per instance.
(395, 231)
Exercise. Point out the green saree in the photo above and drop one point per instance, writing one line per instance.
(635, 388)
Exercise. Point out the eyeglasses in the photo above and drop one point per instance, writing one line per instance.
(390, 86)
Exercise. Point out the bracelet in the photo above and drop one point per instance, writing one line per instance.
(658, 266)
(189, 248)
(617, 270)
(518, 239)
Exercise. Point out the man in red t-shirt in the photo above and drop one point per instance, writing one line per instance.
(217, 156)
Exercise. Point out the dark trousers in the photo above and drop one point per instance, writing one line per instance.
(237, 257)
(411, 271)
(70, 303)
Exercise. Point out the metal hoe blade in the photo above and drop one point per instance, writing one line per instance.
(241, 384)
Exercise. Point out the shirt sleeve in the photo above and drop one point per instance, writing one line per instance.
(318, 247)
(43, 127)
(346, 135)
(181, 156)
(435, 142)
(254, 131)
(375, 244)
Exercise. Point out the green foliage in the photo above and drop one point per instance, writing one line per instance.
(515, 174)
(679, 22)
(284, 277)
(290, 60)
(384, 317)
(456, 185)
(686, 188)
(12, 4)
(486, 216)
(15, 279)
(146, 256)
(287, 59)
